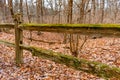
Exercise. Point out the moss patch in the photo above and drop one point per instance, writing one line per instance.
(73, 25)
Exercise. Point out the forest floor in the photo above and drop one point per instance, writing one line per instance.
(105, 50)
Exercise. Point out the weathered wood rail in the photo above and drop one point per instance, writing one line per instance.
(96, 68)
(107, 30)
(8, 25)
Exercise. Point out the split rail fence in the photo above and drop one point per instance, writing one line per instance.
(95, 68)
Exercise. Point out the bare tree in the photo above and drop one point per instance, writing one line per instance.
(3, 9)
(59, 10)
(21, 9)
(73, 37)
(102, 10)
(27, 10)
(10, 3)
(39, 9)
(16, 6)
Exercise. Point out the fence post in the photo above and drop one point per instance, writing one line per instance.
(18, 41)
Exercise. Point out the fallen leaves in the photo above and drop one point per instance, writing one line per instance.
(39, 69)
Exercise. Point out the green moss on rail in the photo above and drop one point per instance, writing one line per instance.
(73, 25)
(96, 68)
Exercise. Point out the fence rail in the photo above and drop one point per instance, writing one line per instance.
(7, 25)
(96, 68)
(106, 30)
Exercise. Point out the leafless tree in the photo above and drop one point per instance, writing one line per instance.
(21, 9)
(27, 10)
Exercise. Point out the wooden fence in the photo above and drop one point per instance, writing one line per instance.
(96, 68)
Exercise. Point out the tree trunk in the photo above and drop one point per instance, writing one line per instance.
(28, 15)
(21, 10)
(102, 10)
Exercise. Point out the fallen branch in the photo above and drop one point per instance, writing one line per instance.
(95, 68)
(49, 42)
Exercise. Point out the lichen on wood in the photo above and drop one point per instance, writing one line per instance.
(95, 68)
